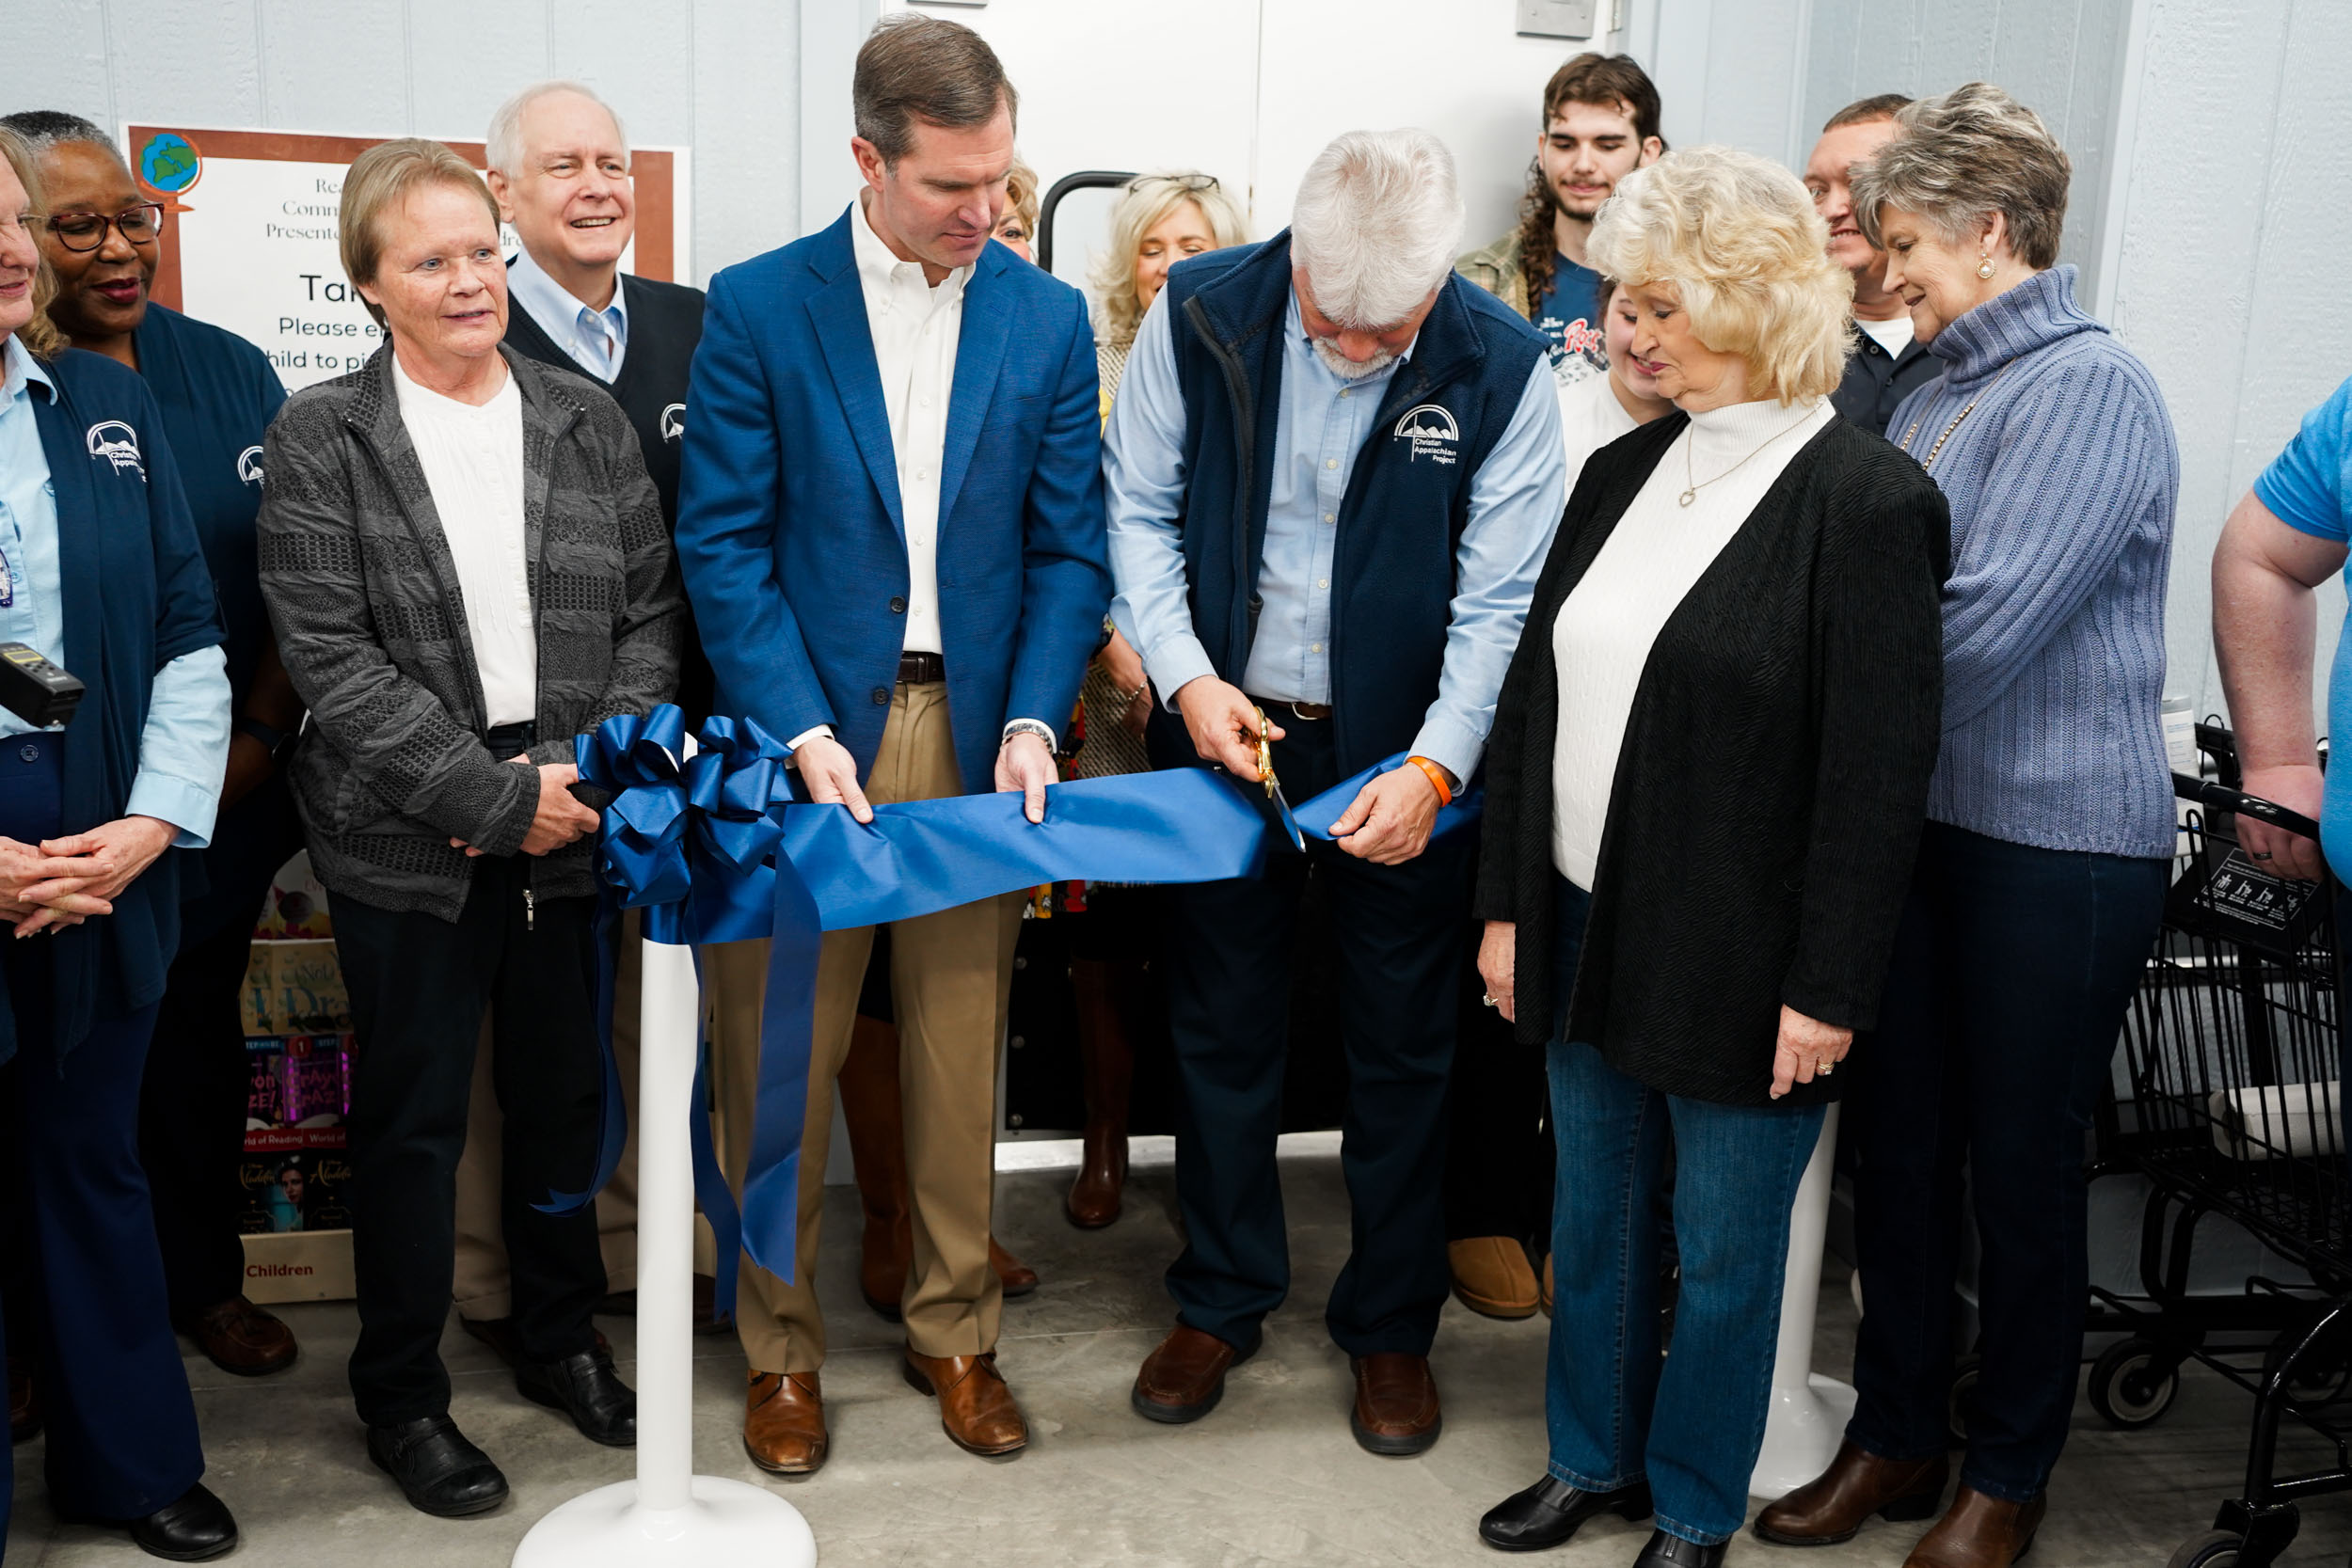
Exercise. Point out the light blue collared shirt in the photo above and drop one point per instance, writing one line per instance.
(183, 749)
(1516, 500)
(579, 330)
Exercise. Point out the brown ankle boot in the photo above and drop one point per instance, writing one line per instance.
(1831, 1507)
(1016, 1277)
(876, 1116)
(1107, 1065)
(1979, 1531)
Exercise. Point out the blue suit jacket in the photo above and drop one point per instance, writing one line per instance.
(791, 534)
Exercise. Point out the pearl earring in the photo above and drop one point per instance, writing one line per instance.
(1984, 268)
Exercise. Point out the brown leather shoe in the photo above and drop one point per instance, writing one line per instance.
(976, 1409)
(1016, 1279)
(23, 1404)
(1182, 1380)
(1833, 1506)
(1491, 1276)
(1542, 1291)
(784, 1422)
(242, 1338)
(1095, 1191)
(1977, 1531)
(1396, 1405)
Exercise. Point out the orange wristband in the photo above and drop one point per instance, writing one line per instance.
(1436, 776)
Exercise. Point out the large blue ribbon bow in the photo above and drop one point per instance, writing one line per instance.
(712, 851)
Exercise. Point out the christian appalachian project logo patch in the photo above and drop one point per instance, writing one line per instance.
(1432, 433)
(118, 443)
(674, 422)
(249, 465)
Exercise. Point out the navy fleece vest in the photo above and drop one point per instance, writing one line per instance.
(1407, 495)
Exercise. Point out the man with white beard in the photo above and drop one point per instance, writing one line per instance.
(1332, 473)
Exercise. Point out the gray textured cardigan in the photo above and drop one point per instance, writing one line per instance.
(371, 627)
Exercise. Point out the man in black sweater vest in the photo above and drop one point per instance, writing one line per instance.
(559, 166)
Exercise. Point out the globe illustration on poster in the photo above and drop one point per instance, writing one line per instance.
(170, 163)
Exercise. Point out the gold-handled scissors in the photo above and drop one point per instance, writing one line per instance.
(1265, 757)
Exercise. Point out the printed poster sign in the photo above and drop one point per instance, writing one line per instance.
(249, 240)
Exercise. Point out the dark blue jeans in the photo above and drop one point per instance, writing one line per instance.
(2014, 967)
(1694, 1423)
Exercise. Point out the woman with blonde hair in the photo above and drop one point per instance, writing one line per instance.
(1161, 219)
(1702, 793)
(2041, 878)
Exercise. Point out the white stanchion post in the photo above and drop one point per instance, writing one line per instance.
(668, 1517)
(1809, 1412)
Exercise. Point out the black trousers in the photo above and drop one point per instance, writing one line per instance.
(419, 985)
(2012, 969)
(1499, 1158)
(1398, 932)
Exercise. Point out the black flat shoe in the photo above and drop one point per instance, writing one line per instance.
(1672, 1551)
(193, 1529)
(1548, 1513)
(586, 1388)
(439, 1471)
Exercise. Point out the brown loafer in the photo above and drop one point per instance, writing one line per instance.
(976, 1409)
(1831, 1506)
(1016, 1277)
(242, 1338)
(1182, 1380)
(1491, 1278)
(784, 1422)
(1396, 1405)
(23, 1404)
(1977, 1531)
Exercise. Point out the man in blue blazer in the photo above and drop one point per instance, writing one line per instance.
(891, 524)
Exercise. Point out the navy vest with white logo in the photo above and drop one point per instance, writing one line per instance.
(1407, 495)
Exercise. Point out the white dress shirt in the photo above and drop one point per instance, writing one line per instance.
(916, 327)
(473, 464)
(1653, 558)
(598, 340)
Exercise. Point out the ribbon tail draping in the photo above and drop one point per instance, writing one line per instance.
(1317, 815)
(711, 1194)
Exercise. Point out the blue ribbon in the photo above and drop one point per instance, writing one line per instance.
(713, 851)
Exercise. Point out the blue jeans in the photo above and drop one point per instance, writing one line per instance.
(1693, 1424)
(2012, 969)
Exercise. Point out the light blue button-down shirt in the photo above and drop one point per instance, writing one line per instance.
(1516, 500)
(579, 330)
(183, 749)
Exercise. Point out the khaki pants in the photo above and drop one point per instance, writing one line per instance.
(480, 1284)
(951, 974)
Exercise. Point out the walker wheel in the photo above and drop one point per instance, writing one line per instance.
(2134, 1383)
(1964, 1396)
(2217, 1550)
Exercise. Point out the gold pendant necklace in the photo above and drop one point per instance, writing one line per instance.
(1690, 437)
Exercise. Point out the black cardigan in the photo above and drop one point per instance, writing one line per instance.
(1768, 797)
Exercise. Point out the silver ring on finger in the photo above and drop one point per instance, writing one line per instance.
(1822, 1070)
(2260, 854)
(1493, 1001)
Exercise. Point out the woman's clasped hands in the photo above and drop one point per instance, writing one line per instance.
(63, 881)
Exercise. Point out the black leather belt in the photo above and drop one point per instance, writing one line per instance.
(921, 668)
(1275, 707)
(506, 740)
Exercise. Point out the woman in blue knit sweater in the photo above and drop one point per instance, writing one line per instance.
(2040, 877)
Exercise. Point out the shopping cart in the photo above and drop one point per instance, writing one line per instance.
(2226, 1100)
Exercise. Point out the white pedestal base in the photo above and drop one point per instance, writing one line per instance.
(1809, 1412)
(729, 1524)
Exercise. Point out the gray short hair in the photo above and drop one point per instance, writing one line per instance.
(1963, 156)
(1376, 225)
(506, 126)
(43, 129)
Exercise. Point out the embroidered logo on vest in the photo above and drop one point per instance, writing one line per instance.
(1432, 430)
(249, 465)
(674, 422)
(118, 443)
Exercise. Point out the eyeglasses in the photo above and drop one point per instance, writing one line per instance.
(87, 231)
(1182, 181)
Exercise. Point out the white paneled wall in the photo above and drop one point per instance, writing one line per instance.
(718, 77)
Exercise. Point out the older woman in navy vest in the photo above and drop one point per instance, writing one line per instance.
(1333, 468)
(104, 576)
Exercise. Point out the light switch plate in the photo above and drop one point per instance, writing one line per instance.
(1556, 19)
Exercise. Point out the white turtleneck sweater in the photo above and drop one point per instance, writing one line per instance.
(1658, 553)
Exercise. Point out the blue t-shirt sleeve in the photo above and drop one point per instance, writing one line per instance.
(2306, 485)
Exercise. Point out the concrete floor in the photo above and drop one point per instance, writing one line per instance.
(1271, 1478)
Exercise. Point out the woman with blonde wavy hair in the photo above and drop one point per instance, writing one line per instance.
(1704, 789)
(1161, 219)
